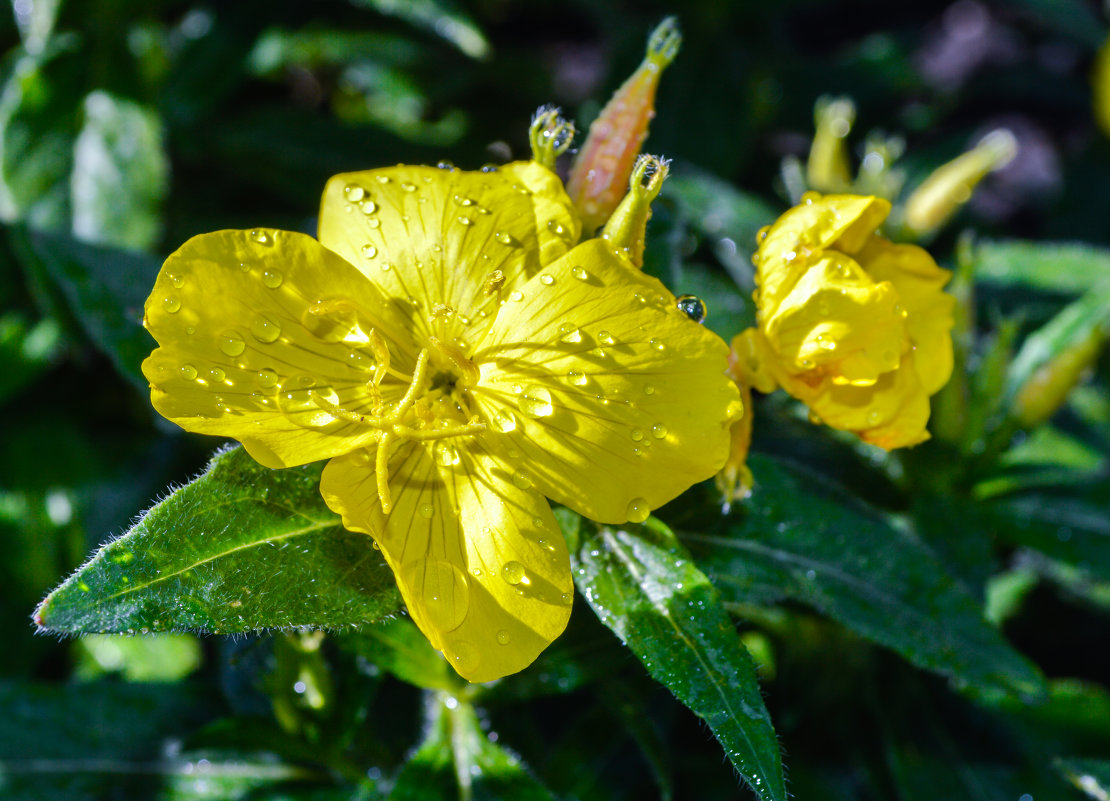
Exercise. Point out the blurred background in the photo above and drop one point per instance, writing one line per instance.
(127, 127)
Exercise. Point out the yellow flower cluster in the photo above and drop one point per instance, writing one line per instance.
(851, 324)
(457, 356)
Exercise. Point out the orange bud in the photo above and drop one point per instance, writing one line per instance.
(600, 174)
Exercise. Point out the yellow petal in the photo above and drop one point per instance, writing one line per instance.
(229, 310)
(480, 561)
(891, 413)
(928, 310)
(609, 399)
(842, 222)
(748, 361)
(837, 316)
(440, 238)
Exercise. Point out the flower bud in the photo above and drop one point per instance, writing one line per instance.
(1048, 387)
(950, 186)
(600, 173)
(827, 169)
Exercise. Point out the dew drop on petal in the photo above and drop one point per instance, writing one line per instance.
(638, 510)
(649, 389)
(580, 273)
(503, 421)
(659, 431)
(267, 378)
(444, 588)
(577, 378)
(369, 251)
(407, 187)
(426, 511)
(516, 296)
(272, 278)
(179, 281)
(446, 454)
(513, 572)
(265, 330)
(188, 372)
(353, 192)
(216, 376)
(692, 306)
(466, 656)
(232, 344)
(464, 220)
(504, 637)
(761, 234)
(261, 237)
(368, 207)
(547, 280)
(521, 480)
(506, 239)
(656, 343)
(569, 333)
(536, 402)
(171, 304)
(605, 338)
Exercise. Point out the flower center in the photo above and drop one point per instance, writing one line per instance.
(433, 406)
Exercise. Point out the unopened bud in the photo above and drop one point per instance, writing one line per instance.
(550, 134)
(600, 173)
(627, 227)
(827, 169)
(1048, 387)
(950, 186)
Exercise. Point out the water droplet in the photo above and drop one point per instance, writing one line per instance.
(444, 588)
(580, 273)
(382, 179)
(489, 168)
(577, 378)
(374, 222)
(659, 431)
(656, 343)
(261, 237)
(504, 421)
(516, 296)
(216, 376)
(521, 480)
(692, 306)
(536, 402)
(649, 390)
(264, 329)
(638, 510)
(464, 220)
(272, 278)
(369, 251)
(605, 338)
(761, 234)
(267, 378)
(446, 454)
(296, 400)
(188, 372)
(547, 280)
(506, 239)
(232, 344)
(353, 192)
(504, 637)
(556, 227)
(513, 572)
(171, 304)
(406, 186)
(637, 435)
(426, 511)
(569, 333)
(466, 657)
(179, 281)
(368, 207)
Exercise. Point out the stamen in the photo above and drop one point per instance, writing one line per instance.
(469, 374)
(430, 434)
(381, 471)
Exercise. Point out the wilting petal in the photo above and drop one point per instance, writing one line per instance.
(438, 237)
(611, 399)
(842, 222)
(927, 310)
(229, 310)
(478, 556)
(837, 315)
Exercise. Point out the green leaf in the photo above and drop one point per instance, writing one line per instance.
(441, 17)
(26, 351)
(1065, 267)
(120, 174)
(1092, 776)
(103, 288)
(155, 657)
(1070, 328)
(458, 759)
(803, 538)
(645, 587)
(241, 548)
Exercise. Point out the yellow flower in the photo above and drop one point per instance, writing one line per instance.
(457, 359)
(854, 326)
